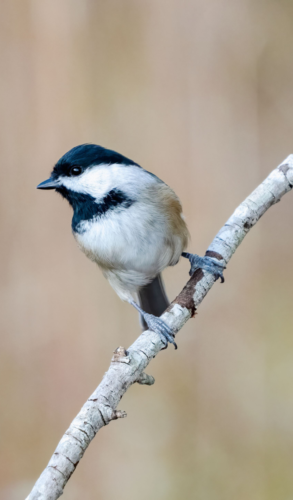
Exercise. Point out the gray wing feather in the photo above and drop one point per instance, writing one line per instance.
(153, 299)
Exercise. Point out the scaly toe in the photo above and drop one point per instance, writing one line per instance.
(159, 326)
(209, 264)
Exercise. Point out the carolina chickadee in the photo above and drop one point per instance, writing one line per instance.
(130, 223)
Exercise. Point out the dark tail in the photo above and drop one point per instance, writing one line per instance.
(153, 299)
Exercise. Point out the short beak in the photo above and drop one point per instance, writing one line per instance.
(49, 184)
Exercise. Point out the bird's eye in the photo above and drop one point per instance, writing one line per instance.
(75, 170)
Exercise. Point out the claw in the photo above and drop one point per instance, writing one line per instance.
(159, 326)
(209, 264)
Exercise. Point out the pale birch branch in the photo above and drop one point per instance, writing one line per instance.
(128, 366)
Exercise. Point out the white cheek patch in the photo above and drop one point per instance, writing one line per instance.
(98, 181)
(95, 181)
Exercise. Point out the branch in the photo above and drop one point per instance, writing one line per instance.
(127, 367)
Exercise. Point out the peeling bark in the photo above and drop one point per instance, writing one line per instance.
(127, 367)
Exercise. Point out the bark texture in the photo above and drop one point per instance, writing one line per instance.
(127, 366)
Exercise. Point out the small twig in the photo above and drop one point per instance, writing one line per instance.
(127, 367)
(119, 414)
(145, 379)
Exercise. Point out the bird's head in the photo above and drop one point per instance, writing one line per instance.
(85, 171)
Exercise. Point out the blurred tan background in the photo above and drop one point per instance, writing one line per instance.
(199, 92)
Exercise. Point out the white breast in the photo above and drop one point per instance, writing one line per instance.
(130, 239)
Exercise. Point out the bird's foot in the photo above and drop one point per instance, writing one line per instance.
(158, 326)
(209, 264)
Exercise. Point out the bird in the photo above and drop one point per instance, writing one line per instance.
(130, 223)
